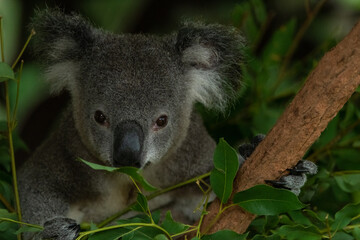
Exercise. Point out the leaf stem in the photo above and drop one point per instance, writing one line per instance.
(13, 118)
(23, 49)
(185, 232)
(214, 220)
(1, 42)
(10, 138)
(22, 223)
(151, 196)
(6, 203)
(168, 189)
(122, 226)
(198, 233)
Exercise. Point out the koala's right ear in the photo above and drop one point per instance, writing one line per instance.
(59, 42)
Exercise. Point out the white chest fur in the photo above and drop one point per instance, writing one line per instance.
(114, 193)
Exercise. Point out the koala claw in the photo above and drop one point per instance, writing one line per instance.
(303, 166)
(61, 228)
(296, 178)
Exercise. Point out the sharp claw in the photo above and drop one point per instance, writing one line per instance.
(74, 226)
(297, 171)
(277, 184)
(304, 166)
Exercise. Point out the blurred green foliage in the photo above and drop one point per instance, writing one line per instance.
(277, 61)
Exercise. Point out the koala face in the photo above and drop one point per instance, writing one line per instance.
(130, 104)
(133, 95)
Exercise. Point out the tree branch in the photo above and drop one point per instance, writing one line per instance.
(326, 90)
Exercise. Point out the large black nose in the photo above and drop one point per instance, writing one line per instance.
(128, 144)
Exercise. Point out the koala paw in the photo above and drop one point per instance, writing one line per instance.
(60, 228)
(246, 149)
(296, 178)
(297, 175)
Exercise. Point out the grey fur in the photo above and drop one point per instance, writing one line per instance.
(131, 79)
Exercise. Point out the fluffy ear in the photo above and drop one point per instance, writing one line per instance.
(212, 55)
(59, 43)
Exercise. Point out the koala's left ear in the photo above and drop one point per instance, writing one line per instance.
(212, 55)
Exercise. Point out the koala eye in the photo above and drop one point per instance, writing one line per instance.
(161, 122)
(100, 118)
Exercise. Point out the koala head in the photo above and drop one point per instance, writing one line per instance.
(133, 94)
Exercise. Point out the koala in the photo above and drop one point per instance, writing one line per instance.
(132, 104)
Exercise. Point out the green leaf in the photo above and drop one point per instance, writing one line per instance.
(225, 234)
(142, 218)
(348, 181)
(156, 216)
(226, 164)
(160, 237)
(112, 234)
(3, 126)
(130, 171)
(278, 46)
(262, 237)
(298, 232)
(299, 218)
(135, 174)
(171, 226)
(4, 225)
(319, 219)
(356, 233)
(96, 166)
(27, 229)
(266, 200)
(6, 72)
(143, 233)
(344, 216)
(342, 236)
(141, 204)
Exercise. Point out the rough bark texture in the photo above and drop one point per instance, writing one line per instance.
(325, 92)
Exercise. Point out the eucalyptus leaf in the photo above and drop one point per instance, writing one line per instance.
(356, 233)
(225, 234)
(23, 229)
(344, 216)
(226, 165)
(266, 200)
(130, 171)
(171, 226)
(160, 237)
(141, 204)
(4, 225)
(112, 234)
(298, 232)
(264, 237)
(144, 233)
(6, 72)
(348, 181)
(342, 236)
(298, 217)
(279, 44)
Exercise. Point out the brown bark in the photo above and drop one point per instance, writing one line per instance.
(326, 90)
